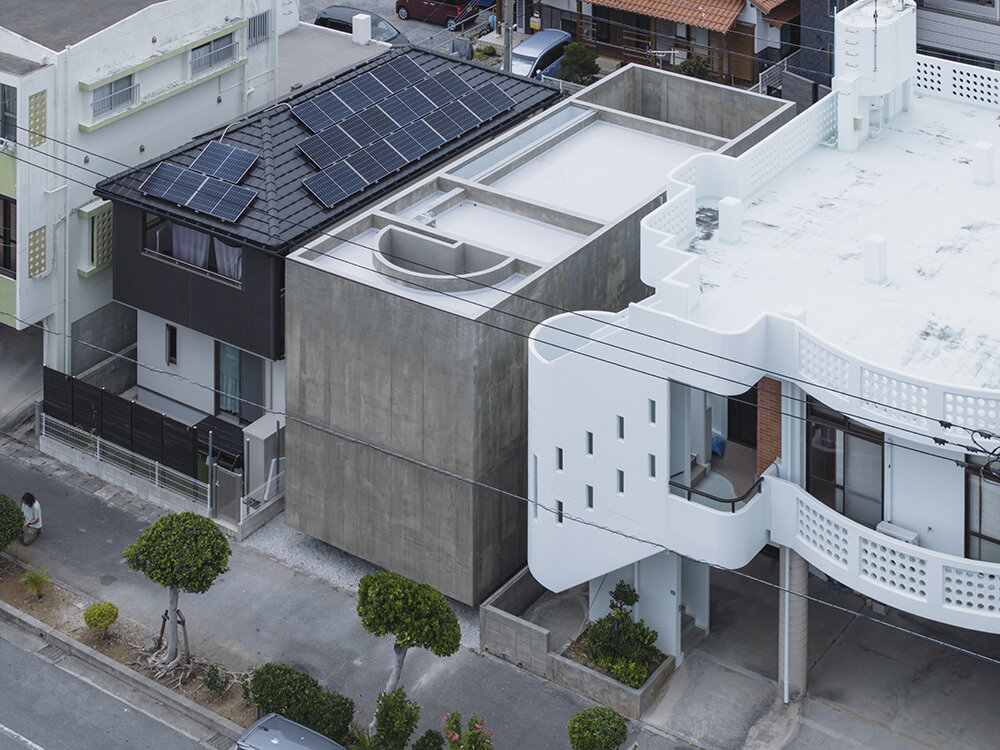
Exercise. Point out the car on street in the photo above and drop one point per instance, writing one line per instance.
(443, 12)
(275, 732)
(341, 18)
(540, 53)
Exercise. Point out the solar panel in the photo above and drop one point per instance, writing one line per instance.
(161, 179)
(408, 69)
(208, 196)
(434, 91)
(352, 96)
(424, 135)
(365, 165)
(406, 145)
(416, 101)
(211, 157)
(339, 142)
(223, 161)
(318, 151)
(495, 96)
(386, 155)
(184, 186)
(221, 200)
(331, 106)
(389, 77)
(234, 203)
(334, 184)
(359, 130)
(444, 125)
(478, 105)
(371, 87)
(396, 109)
(378, 121)
(452, 83)
(462, 116)
(311, 116)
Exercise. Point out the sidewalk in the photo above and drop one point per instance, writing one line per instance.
(869, 686)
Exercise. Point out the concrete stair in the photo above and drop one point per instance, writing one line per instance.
(691, 634)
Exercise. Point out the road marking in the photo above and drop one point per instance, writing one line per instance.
(8, 732)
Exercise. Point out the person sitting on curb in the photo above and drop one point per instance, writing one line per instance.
(32, 510)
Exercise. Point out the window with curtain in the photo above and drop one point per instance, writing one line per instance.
(982, 512)
(228, 385)
(228, 259)
(8, 112)
(239, 382)
(191, 246)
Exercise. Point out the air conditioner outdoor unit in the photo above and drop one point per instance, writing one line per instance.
(897, 532)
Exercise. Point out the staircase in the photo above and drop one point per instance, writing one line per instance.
(691, 634)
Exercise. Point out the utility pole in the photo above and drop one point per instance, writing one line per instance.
(508, 28)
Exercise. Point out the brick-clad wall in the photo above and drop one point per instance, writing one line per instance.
(768, 423)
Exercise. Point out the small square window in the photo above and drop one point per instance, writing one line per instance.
(590, 496)
(652, 411)
(171, 344)
(652, 466)
(621, 428)
(621, 482)
(590, 444)
(559, 511)
(559, 459)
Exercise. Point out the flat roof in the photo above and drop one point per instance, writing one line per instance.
(803, 238)
(308, 53)
(56, 24)
(15, 65)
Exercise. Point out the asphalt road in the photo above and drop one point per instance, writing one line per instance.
(45, 708)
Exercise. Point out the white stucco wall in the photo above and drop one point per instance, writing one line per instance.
(195, 362)
(927, 495)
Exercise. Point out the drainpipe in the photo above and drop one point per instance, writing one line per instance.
(67, 341)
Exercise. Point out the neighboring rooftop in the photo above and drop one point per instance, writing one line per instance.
(290, 187)
(309, 53)
(59, 23)
(803, 238)
(15, 65)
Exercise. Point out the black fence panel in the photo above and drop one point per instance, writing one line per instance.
(180, 446)
(147, 432)
(116, 424)
(57, 398)
(87, 406)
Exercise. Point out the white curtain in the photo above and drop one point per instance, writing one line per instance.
(229, 260)
(191, 246)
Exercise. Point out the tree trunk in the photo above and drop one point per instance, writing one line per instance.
(172, 625)
(397, 669)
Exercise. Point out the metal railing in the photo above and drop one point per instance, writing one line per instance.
(116, 101)
(272, 489)
(732, 502)
(206, 61)
(565, 87)
(151, 471)
(771, 77)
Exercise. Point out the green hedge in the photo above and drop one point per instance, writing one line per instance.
(295, 695)
(11, 521)
(597, 728)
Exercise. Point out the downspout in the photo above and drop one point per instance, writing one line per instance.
(787, 595)
(67, 339)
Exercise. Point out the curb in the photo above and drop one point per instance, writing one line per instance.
(169, 698)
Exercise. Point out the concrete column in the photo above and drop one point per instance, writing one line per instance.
(793, 626)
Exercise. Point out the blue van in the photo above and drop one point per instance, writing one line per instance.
(540, 53)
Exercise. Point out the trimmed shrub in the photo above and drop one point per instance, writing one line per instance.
(432, 739)
(100, 616)
(215, 681)
(597, 728)
(36, 582)
(628, 672)
(297, 696)
(395, 719)
(624, 648)
(694, 67)
(579, 64)
(11, 521)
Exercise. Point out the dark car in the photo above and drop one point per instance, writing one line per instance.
(340, 18)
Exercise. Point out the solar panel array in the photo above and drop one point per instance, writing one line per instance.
(377, 123)
(208, 186)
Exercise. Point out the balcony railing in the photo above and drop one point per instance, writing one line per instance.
(108, 105)
(206, 61)
(271, 490)
(200, 270)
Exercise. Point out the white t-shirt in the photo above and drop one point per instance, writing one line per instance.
(33, 513)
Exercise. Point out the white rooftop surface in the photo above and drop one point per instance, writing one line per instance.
(802, 243)
(353, 260)
(602, 170)
(511, 234)
(308, 53)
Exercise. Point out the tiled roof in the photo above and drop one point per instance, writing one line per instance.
(715, 15)
(284, 213)
(782, 14)
(766, 6)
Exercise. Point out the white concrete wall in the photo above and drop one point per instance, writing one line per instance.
(195, 362)
(927, 495)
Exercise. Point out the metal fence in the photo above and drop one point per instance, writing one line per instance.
(140, 466)
(272, 489)
(202, 62)
(116, 101)
(771, 77)
(565, 87)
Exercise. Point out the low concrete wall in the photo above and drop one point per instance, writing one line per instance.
(503, 633)
(630, 702)
(258, 519)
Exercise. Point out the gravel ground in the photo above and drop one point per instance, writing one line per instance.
(298, 550)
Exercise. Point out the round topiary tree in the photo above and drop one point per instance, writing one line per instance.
(597, 728)
(418, 616)
(180, 551)
(100, 616)
(11, 521)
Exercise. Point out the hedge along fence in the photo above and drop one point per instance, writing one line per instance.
(295, 695)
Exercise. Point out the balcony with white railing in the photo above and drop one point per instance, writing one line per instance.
(115, 102)
(204, 61)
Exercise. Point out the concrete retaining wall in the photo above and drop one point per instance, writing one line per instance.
(503, 633)
(630, 702)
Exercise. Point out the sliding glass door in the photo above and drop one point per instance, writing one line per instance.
(239, 382)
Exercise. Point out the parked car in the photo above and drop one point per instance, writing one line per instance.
(275, 732)
(341, 18)
(540, 53)
(443, 12)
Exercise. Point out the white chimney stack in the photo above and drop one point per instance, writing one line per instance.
(362, 25)
(875, 259)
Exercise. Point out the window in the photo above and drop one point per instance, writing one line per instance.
(217, 52)
(193, 248)
(621, 428)
(621, 482)
(590, 496)
(8, 112)
(590, 444)
(559, 459)
(8, 236)
(259, 29)
(171, 344)
(115, 96)
(844, 464)
(239, 382)
(982, 512)
(652, 411)
(559, 511)
(652, 466)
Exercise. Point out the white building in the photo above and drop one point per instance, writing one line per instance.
(88, 88)
(848, 282)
